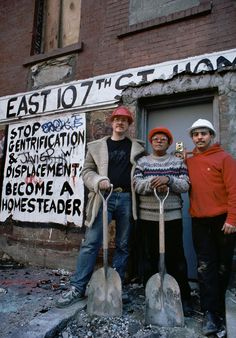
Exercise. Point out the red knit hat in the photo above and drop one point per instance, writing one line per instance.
(160, 130)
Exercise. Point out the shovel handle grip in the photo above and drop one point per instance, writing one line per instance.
(105, 217)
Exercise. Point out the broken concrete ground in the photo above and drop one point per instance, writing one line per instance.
(27, 310)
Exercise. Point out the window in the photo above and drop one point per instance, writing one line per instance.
(144, 10)
(149, 14)
(56, 25)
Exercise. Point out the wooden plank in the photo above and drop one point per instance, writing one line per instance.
(70, 22)
(52, 21)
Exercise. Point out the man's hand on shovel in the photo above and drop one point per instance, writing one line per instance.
(160, 183)
(104, 185)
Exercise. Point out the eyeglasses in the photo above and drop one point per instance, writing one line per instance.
(159, 139)
(120, 119)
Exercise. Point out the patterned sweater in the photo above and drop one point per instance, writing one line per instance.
(151, 166)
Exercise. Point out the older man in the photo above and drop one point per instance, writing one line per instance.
(161, 170)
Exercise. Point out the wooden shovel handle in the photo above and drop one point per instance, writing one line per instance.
(161, 220)
(105, 225)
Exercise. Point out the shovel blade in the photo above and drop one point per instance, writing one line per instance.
(163, 302)
(105, 294)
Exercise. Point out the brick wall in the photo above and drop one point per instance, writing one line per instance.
(16, 22)
(174, 40)
(105, 48)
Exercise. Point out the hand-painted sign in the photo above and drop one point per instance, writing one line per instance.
(104, 90)
(43, 164)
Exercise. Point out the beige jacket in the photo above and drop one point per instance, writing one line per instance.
(95, 169)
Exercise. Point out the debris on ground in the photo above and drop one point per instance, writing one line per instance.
(27, 293)
(131, 323)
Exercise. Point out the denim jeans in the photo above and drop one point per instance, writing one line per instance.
(119, 209)
(215, 252)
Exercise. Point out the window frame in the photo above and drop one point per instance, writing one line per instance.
(203, 8)
(37, 54)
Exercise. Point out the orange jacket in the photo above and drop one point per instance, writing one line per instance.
(213, 184)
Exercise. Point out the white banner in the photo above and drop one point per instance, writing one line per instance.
(105, 89)
(44, 159)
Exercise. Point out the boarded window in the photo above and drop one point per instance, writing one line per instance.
(144, 10)
(57, 24)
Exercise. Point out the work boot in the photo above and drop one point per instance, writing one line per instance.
(125, 295)
(210, 323)
(70, 297)
(187, 307)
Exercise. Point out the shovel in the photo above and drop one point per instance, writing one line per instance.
(105, 292)
(163, 302)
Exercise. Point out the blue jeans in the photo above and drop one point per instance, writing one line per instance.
(119, 209)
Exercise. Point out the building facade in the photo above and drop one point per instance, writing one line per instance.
(64, 66)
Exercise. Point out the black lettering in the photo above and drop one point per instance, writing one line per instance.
(107, 83)
(53, 206)
(175, 70)
(76, 206)
(206, 62)
(23, 106)
(35, 128)
(33, 103)
(66, 188)
(13, 134)
(144, 75)
(59, 98)
(188, 68)
(8, 189)
(60, 206)
(74, 96)
(99, 82)
(222, 63)
(45, 94)
(117, 84)
(89, 85)
(49, 188)
(27, 131)
(31, 205)
(68, 207)
(10, 107)
(23, 204)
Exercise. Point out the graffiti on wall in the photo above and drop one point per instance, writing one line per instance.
(106, 89)
(2, 142)
(42, 175)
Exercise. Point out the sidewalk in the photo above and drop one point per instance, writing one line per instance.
(230, 303)
(28, 295)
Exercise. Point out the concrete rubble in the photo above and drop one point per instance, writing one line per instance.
(27, 309)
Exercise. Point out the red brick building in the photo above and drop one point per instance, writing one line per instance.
(65, 66)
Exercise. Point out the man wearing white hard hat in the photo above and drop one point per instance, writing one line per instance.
(213, 211)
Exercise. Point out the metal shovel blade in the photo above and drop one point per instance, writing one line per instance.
(163, 302)
(105, 296)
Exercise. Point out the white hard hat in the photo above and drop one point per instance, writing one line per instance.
(201, 123)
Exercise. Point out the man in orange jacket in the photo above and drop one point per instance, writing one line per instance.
(213, 212)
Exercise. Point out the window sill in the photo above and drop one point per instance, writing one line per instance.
(77, 47)
(203, 9)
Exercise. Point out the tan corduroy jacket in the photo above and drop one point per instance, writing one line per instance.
(95, 169)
